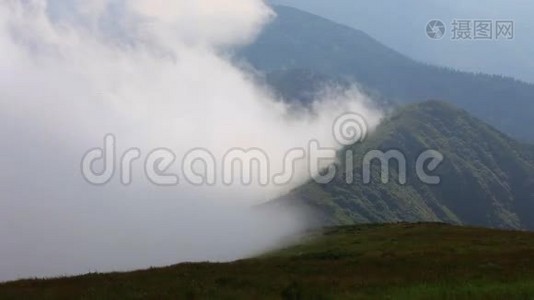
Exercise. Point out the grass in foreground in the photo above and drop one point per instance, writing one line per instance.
(399, 261)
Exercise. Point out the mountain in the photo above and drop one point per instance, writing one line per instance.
(402, 28)
(299, 86)
(396, 261)
(297, 40)
(487, 178)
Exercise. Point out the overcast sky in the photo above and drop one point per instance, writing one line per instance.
(401, 25)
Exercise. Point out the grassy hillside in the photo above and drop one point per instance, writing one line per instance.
(397, 261)
(487, 178)
(299, 41)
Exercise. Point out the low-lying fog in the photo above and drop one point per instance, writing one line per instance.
(149, 72)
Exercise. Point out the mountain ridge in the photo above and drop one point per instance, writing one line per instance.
(487, 178)
(300, 40)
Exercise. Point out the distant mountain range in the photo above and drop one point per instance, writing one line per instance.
(487, 178)
(301, 43)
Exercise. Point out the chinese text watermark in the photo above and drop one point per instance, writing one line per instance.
(472, 29)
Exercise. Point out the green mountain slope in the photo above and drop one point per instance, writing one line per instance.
(487, 178)
(298, 40)
(400, 261)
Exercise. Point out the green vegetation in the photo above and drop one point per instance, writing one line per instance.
(303, 50)
(487, 178)
(396, 261)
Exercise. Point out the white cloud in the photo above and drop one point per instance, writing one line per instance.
(155, 81)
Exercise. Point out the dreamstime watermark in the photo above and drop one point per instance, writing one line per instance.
(472, 29)
(200, 167)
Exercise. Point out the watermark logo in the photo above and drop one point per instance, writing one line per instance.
(483, 30)
(350, 128)
(435, 29)
(505, 29)
(200, 167)
(472, 29)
